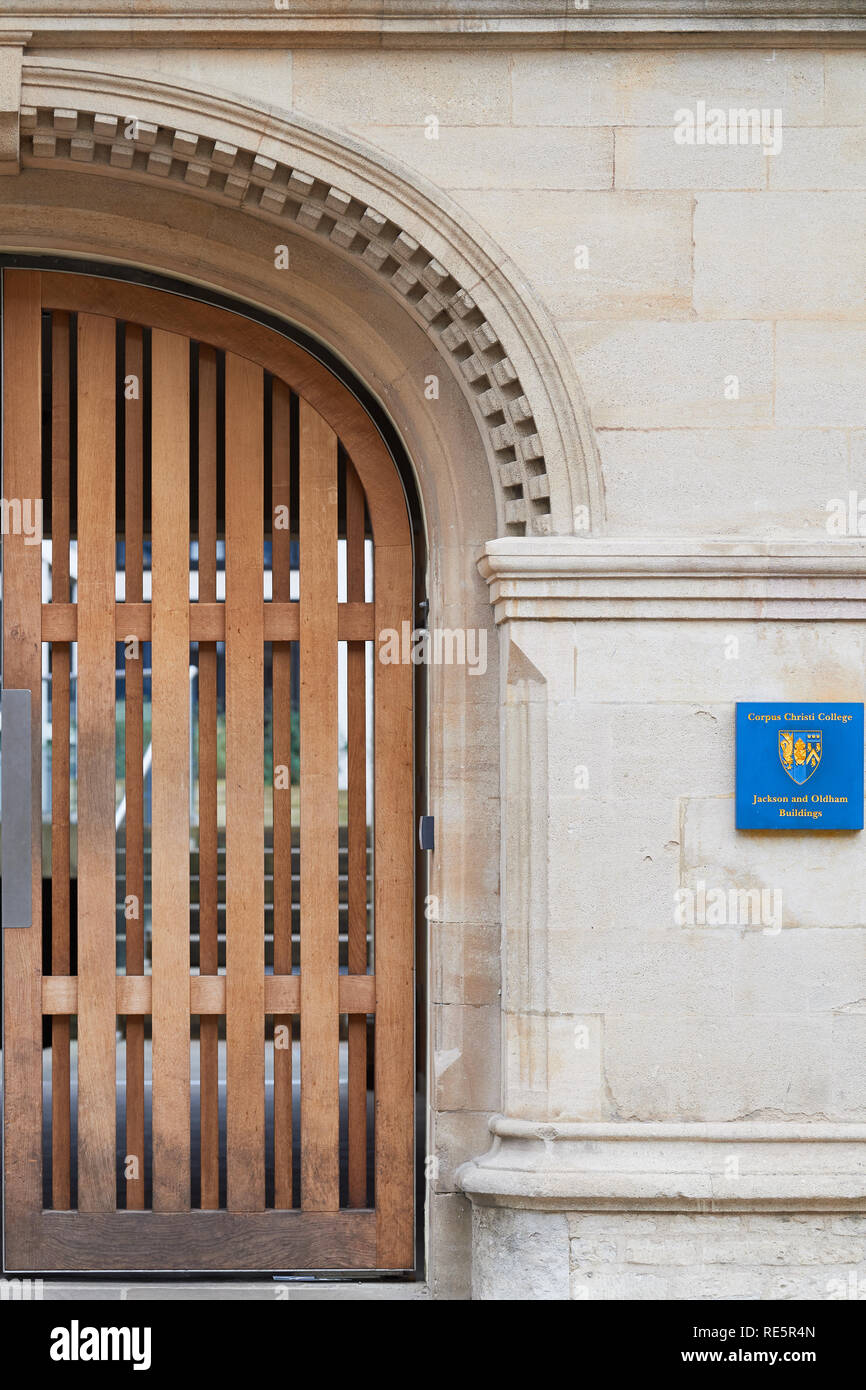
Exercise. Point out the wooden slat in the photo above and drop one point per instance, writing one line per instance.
(207, 994)
(133, 755)
(319, 814)
(22, 670)
(393, 920)
(61, 1108)
(245, 940)
(356, 698)
(275, 353)
(355, 622)
(208, 850)
(282, 757)
(170, 774)
(220, 1240)
(96, 714)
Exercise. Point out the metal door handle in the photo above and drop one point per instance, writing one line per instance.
(16, 830)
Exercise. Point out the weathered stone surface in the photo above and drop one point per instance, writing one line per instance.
(402, 88)
(638, 249)
(640, 375)
(768, 483)
(646, 88)
(785, 255)
(649, 157)
(821, 375)
(477, 156)
(519, 1255)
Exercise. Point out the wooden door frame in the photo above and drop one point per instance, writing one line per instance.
(175, 307)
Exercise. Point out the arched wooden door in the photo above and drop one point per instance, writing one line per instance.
(209, 1039)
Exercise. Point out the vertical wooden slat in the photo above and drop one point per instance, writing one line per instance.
(22, 659)
(170, 774)
(208, 845)
(245, 955)
(282, 738)
(61, 1118)
(393, 918)
(96, 715)
(319, 902)
(356, 697)
(133, 755)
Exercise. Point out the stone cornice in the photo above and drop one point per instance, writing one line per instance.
(795, 1166)
(438, 23)
(569, 578)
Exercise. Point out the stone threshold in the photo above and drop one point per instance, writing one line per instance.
(250, 1291)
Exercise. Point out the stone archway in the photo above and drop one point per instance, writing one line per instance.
(386, 272)
(303, 181)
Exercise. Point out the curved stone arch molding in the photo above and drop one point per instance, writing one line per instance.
(298, 174)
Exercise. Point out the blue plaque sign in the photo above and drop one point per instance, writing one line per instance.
(799, 767)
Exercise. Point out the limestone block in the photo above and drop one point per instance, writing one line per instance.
(685, 1256)
(722, 1283)
(634, 751)
(520, 1255)
(819, 876)
(465, 966)
(674, 1251)
(458, 1136)
(260, 75)
(649, 157)
(449, 1218)
(833, 157)
(553, 1066)
(585, 892)
(632, 971)
(821, 374)
(849, 1062)
(638, 249)
(467, 840)
(502, 156)
(591, 1285)
(844, 89)
(763, 483)
(641, 375)
(704, 1067)
(785, 255)
(812, 970)
(783, 1250)
(466, 1057)
(686, 661)
(402, 88)
(593, 1251)
(646, 88)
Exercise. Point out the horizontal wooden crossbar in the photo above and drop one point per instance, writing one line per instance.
(207, 994)
(224, 1240)
(207, 622)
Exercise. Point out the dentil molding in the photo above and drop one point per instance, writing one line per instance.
(453, 281)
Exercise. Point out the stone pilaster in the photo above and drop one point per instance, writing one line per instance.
(573, 1158)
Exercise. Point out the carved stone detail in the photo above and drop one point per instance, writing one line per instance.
(12, 45)
(264, 187)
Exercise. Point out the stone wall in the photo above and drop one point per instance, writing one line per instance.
(711, 300)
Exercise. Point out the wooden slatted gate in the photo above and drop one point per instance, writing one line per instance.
(156, 429)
